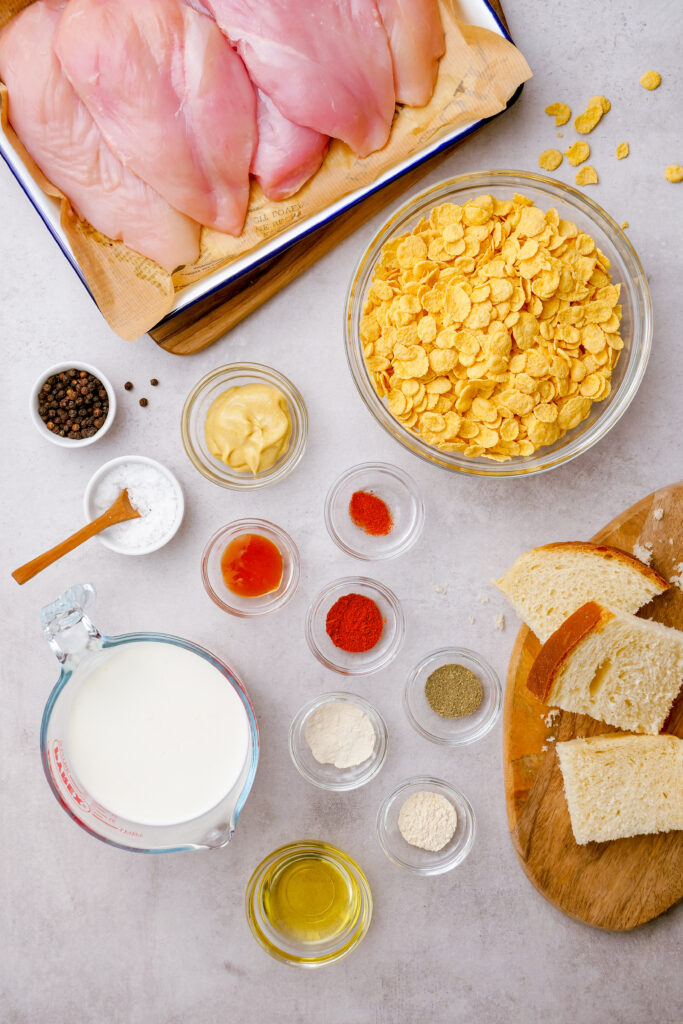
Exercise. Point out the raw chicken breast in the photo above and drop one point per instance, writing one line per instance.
(287, 154)
(62, 138)
(416, 42)
(170, 96)
(325, 63)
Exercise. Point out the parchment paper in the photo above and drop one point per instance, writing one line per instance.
(477, 75)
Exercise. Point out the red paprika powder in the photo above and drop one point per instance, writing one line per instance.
(354, 623)
(370, 513)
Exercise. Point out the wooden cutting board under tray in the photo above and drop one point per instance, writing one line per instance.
(616, 885)
(207, 320)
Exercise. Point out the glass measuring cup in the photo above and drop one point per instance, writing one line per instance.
(78, 646)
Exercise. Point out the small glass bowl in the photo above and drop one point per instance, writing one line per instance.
(413, 858)
(249, 607)
(452, 732)
(69, 442)
(363, 663)
(395, 488)
(194, 419)
(287, 948)
(326, 776)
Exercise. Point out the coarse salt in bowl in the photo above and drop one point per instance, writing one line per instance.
(152, 489)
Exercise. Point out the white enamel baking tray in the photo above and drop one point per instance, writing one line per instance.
(473, 12)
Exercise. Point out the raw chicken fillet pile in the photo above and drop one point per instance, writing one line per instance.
(151, 116)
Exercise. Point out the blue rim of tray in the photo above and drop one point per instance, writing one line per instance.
(316, 225)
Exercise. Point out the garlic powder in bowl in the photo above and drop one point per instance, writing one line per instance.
(152, 489)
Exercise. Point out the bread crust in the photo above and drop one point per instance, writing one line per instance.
(561, 643)
(616, 553)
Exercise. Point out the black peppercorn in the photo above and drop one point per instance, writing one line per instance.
(143, 402)
(154, 382)
(73, 404)
(128, 385)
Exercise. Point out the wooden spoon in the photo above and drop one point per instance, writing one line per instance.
(119, 512)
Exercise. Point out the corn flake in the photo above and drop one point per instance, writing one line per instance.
(561, 113)
(674, 172)
(492, 327)
(586, 122)
(622, 150)
(586, 176)
(577, 153)
(651, 80)
(550, 159)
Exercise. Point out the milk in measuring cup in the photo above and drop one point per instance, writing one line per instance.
(155, 733)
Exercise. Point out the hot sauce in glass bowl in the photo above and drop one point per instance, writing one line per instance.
(251, 565)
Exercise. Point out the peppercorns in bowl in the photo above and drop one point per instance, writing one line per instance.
(453, 696)
(72, 404)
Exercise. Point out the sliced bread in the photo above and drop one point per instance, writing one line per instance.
(611, 665)
(547, 584)
(618, 786)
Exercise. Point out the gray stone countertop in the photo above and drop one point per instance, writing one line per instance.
(92, 934)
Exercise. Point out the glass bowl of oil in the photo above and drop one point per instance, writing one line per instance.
(308, 904)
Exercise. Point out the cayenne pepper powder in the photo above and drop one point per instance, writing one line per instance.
(370, 513)
(354, 623)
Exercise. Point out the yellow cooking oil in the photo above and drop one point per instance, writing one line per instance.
(310, 897)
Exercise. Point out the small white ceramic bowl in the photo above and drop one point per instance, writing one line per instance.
(68, 442)
(92, 513)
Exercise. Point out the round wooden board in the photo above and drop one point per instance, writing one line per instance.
(616, 885)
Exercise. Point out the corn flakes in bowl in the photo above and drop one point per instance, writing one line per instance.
(499, 324)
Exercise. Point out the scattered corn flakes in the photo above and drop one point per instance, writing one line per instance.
(597, 106)
(577, 153)
(492, 327)
(624, 225)
(550, 159)
(560, 111)
(586, 176)
(651, 80)
(674, 172)
(622, 150)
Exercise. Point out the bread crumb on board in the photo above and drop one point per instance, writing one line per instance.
(677, 578)
(482, 598)
(643, 552)
(499, 622)
(441, 590)
(658, 514)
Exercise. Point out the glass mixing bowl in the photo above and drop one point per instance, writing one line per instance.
(636, 323)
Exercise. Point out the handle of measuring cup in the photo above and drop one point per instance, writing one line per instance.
(67, 628)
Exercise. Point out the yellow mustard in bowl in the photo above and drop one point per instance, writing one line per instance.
(249, 427)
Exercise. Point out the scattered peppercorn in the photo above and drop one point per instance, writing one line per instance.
(453, 691)
(73, 404)
(128, 385)
(143, 402)
(154, 382)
